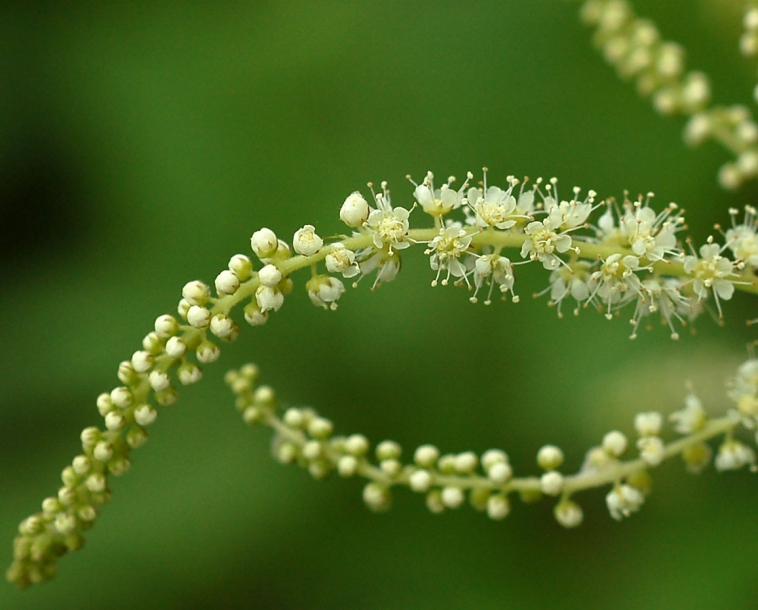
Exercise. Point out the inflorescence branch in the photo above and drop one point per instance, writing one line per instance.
(635, 48)
(602, 256)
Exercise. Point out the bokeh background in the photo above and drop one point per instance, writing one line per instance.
(142, 143)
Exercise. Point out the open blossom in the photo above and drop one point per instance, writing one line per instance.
(710, 272)
(438, 202)
(306, 241)
(494, 269)
(742, 239)
(543, 241)
(324, 291)
(623, 500)
(664, 296)
(493, 206)
(388, 225)
(616, 282)
(446, 249)
(341, 260)
(569, 214)
(572, 279)
(651, 235)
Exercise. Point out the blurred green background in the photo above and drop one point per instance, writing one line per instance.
(142, 143)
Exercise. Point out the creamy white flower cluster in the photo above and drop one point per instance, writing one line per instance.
(487, 480)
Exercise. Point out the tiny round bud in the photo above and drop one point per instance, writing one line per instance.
(142, 361)
(264, 243)
(51, 506)
(391, 468)
(253, 314)
(357, 445)
(121, 397)
(388, 450)
(568, 513)
(270, 276)
(377, 496)
(549, 457)
(347, 466)
(189, 373)
(114, 421)
(551, 483)
(498, 507)
(492, 457)
(145, 415)
(199, 317)
(196, 293)
(420, 481)
(176, 348)
(500, 473)
(426, 456)
(90, 437)
(312, 450)
(320, 428)
(222, 325)
(81, 465)
(166, 326)
(159, 380)
(265, 395)
(226, 283)
(615, 443)
(241, 266)
(126, 373)
(466, 463)
(67, 495)
(152, 343)
(69, 477)
(96, 482)
(207, 352)
(167, 397)
(452, 497)
(104, 404)
(294, 418)
(354, 212)
(252, 415)
(306, 241)
(136, 437)
(103, 451)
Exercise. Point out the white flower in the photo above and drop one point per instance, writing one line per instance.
(494, 207)
(733, 455)
(650, 235)
(306, 241)
(543, 241)
(690, 419)
(663, 295)
(615, 282)
(648, 424)
(570, 279)
(446, 250)
(568, 513)
(623, 500)
(570, 214)
(651, 450)
(386, 264)
(355, 210)
(438, 202)
(388, 225)
(341, 260)
(324, 291)
(710, 272)
(497, 270)
(742, 239)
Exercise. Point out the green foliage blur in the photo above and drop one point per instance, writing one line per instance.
(140, 146)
